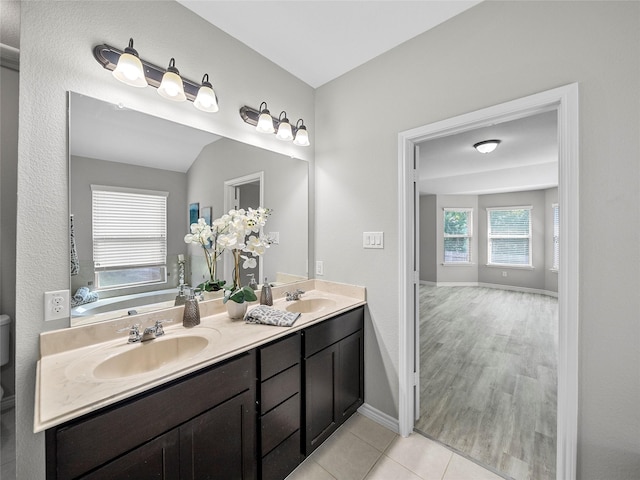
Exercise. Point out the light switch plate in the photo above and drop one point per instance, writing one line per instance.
(373, 240)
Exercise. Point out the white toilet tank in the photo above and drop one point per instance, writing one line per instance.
(5, 327)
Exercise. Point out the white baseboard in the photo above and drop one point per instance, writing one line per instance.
(8, 402)
(492, 285)
(379, 417)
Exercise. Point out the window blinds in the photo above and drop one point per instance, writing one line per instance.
(129, 227)
(510, 236)
(457, 235)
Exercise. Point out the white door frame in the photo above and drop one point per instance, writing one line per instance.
(565, 101)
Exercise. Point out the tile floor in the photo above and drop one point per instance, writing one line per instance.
(364, 450)
(8, 444)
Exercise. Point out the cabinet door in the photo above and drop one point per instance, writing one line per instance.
(155, 460)
(320, 397)
(350, 390)
(220, 443)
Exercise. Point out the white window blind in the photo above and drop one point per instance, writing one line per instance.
(458, 223)
(509, 232)
(129, 227)
(556, 237)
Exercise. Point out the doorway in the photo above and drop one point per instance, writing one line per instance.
(243, 193)
(565, 101)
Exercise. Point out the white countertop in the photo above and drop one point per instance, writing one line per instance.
(67, 388)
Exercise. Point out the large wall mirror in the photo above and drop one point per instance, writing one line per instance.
(139, 156)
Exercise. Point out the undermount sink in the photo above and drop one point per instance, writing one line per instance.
(310, 305)
(149, 356)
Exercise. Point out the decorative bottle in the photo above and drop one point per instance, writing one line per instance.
(191, 316)
(252, 281)
(181, 297)
(266, 297)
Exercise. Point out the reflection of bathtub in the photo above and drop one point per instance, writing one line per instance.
(116, 307)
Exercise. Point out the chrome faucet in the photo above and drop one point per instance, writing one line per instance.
(149, 333)
(290, 296)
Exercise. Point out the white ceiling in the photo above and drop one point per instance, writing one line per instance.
(527, 159)
(318, 41)
(108, 132)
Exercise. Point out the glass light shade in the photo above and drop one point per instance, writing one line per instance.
(265, 122)
(302, 137)
(487, 146)
(284, 131)
(171, 87)
(129, 70)
(206, 100)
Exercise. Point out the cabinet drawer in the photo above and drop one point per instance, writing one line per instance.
(279, 423)
(90, 441)
(331, 331)
(279, 387)
(283, 459)
(279, 356)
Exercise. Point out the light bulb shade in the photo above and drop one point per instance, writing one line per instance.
(171, 86)
(487, 146)
(129, 69)
(265, 121)
(284, 128)
(206, 99)
(302, 136)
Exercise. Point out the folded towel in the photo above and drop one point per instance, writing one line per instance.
(270, 316)
(83, 295)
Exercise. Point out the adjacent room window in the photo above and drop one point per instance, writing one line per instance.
(129, 236)
(458, 224)
(556, 236)
(509, 236)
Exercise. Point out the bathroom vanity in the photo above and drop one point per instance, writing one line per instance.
(247, 412)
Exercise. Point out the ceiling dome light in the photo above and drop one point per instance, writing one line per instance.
(171, 87)
(265, 121)
(486, 146)
(206, 99)
(302, 136)
(284, 128)
(129, 69)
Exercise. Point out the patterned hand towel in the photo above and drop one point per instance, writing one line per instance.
(270, 316)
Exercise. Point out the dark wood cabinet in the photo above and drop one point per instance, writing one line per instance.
(254, 416)
(333, 375)
(202, 426)
(280, 392)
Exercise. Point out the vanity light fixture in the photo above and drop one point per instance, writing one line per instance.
(487, 146)
(284, 128)
(124, 65)
(171, 86)
(265, 123)
(265, 120)
(206, 99)
(129, 69)
(302, 136)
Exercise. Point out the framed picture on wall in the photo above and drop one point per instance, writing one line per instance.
(194, 209)
(205, 212)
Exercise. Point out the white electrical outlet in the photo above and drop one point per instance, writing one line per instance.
(56, 305)
(319, 267)
(504, 274)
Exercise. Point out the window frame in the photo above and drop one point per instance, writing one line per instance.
(491, 237)
(468, 235)
(101, 236)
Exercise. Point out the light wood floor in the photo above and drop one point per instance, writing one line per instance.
(488, 376)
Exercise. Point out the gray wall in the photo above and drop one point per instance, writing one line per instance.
(8, 201)
(75, 27)
(428, 239)
(285, 192)
(534, 46)
(89, 171)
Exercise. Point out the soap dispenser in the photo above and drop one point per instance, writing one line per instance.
(181, 298)
(252, 281)
(191, 316)
(266, 297)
